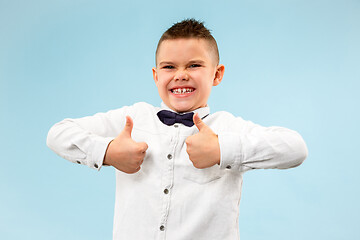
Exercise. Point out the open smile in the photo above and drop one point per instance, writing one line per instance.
(182, 91)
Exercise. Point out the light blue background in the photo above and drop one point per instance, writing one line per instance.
(288, 62)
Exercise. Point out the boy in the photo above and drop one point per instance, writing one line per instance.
(178, 168)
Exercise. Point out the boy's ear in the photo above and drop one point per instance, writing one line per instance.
(220, 69)
(155, 76)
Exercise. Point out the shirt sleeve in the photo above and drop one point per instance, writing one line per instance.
(245, 145)
(85, 140)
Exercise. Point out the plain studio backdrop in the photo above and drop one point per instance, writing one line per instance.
(291, 63)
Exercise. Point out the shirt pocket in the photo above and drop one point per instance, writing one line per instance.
(203, 176)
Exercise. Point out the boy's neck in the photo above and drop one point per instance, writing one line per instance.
(202, 111)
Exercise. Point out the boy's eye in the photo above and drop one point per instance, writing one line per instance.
(168, 67)
(195, 65)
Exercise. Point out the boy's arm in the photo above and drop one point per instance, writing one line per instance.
(251, 146)
(85, 140)
(243, 145)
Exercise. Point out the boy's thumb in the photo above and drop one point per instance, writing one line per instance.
(128, 126)
(198, 122)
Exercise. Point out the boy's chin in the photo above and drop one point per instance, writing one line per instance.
(180, 108)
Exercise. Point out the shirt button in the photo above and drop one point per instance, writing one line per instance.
(169, 156)
(166, 191)
(228, 167)
(162, 228)
(175, 125)
(95, 165)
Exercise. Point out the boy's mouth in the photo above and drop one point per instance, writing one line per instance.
(182, 90)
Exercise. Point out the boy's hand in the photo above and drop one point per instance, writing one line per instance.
(203, 147)
(124, 153)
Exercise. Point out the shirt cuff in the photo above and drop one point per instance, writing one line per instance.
(230, 151)
(97, 152)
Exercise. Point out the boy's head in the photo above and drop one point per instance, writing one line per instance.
(187, 66)
(188, 29)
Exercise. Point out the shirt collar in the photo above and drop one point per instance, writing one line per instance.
(203, 112)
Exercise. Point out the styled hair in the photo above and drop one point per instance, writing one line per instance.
(189, 28)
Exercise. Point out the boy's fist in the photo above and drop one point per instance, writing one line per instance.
(203, 147)
(124, 153)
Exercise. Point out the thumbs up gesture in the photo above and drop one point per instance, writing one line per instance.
(203, 147)
(124, 153)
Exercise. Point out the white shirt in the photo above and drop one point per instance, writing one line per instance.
(169, 198)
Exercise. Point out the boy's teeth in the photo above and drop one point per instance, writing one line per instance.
(182, 90)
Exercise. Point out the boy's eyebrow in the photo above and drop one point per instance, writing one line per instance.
(190, 62)
(166, 63)
(196, 61)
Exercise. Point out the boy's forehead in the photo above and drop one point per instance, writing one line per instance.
(185, 46)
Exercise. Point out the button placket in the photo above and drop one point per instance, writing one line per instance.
(168, 178)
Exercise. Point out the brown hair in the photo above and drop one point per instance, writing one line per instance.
(189, 28)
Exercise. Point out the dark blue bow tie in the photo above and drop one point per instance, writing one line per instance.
(170, 118)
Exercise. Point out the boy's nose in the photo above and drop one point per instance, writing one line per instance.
(181, 76)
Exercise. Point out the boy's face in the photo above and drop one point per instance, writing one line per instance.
(185, 73)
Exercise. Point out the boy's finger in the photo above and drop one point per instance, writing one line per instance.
(198, 122)
(143, 146)
(128, 126)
